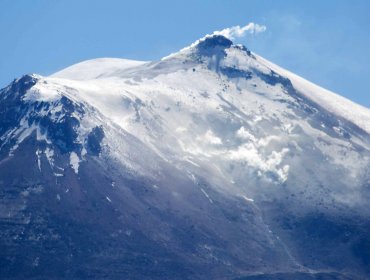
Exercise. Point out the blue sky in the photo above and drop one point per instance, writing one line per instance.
(327, 42)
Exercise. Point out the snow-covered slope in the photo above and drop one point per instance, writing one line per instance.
(210, 163)
(337, 104)
(96, 68)
(218, 102)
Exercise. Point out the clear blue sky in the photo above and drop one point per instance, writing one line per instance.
(327, 42)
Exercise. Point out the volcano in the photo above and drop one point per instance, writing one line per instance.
(211, 163)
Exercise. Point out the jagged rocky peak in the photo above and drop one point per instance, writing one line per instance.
(26, 81)
(34, 109)
(18, 87)
(215, 44)
(234, 61)
(212, 41)
(212, 46)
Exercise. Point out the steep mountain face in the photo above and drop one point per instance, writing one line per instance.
(211, 163)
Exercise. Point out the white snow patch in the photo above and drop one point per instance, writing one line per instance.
(245, 134)
(206, 195)
(210, 138)
(43, 91)
(192, 177)
(248, 199)
(42, 137)
(180, 129)
(38, 154)
(263, 142)
(49, 156)
(83, 152)
(191, 162)
(74, 161)
(288, 128)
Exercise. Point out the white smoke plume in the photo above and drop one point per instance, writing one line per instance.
(237, 31)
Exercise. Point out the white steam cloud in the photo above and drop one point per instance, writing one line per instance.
(230, 33)
(237, 31)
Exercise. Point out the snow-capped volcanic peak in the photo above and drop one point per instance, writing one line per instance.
(213, 100)
(211, 155)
